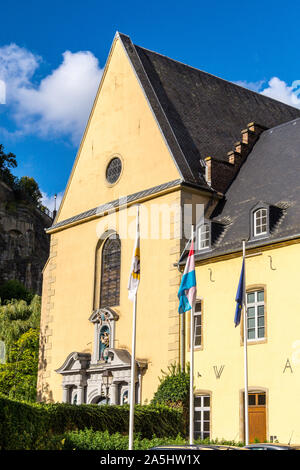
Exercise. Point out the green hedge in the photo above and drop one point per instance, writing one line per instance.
(30, 426)
(96, 440)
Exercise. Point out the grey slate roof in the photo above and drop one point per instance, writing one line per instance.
(115, 204)
(200, 115)
(270, 176)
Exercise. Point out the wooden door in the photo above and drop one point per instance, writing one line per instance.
(257, 417)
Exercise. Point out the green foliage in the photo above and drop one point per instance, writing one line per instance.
(19, 329)
(18, 378)
(95, 440)
(7, 161)
(24, 187)
(23, 426)
(16, 318)
(174, 386)
(37, 423)
(149, 419)
(30, 188)
(14, 289)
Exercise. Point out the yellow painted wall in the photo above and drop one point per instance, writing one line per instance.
(121, 123)
(73, 292)
(266, 361)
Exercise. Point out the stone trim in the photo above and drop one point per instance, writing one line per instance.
(46, 332)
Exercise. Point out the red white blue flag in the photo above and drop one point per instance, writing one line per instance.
(187, 290)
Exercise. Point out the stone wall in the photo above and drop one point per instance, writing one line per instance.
(24, 245)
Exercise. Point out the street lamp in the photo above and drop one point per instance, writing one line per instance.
(107, 380)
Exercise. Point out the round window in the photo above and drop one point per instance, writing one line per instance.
(113, 170)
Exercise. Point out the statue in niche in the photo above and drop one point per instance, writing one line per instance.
(125, 400)
(104, 343)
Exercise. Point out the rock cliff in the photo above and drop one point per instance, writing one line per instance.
(24, 245)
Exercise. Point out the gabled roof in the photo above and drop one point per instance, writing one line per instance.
(269, 176)
(199, 114)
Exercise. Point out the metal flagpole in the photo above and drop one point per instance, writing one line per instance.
(132, 376)
(192, 365)
(245, 352)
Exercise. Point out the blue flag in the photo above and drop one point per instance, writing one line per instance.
(240, 296)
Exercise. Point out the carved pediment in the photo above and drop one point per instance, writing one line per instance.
(75, 362)
(105, 314)
(121, 357)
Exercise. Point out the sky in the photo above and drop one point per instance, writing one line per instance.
(52, 56)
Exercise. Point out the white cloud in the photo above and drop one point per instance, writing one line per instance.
(2, 92)
(276, 89)
(254, 86)
(17, 66)
(59, 105)
(281, 91)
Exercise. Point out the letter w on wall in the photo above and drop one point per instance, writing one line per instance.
(218, 372)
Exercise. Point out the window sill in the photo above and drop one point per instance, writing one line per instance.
(255, 341)
(196, 348)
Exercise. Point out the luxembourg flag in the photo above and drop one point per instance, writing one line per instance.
(135, 270)
(187, 290)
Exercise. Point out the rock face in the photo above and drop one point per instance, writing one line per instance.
(24, 245)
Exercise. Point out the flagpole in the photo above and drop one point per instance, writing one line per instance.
(132, 375)
(192, 365)
(132, 378)
(245, 353)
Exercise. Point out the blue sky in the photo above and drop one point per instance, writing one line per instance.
(43, 44)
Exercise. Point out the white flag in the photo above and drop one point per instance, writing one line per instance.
(134, 278)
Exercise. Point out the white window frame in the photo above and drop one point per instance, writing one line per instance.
(198, 323)
(204, 237)
(258, 215)
(256, 304)
(202, 434)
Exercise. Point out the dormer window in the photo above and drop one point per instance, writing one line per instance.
(260, 222)
(203, 237)
(264, 218)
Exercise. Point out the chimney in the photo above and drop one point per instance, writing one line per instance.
(220, 173)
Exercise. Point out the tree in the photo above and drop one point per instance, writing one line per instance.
(7, 161)
(30, 188)
(174, 387)
(14, 289)
(174, 390)
(19, 329)
(18, 378)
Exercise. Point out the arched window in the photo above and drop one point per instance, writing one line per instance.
(260, 221)
(110, 272)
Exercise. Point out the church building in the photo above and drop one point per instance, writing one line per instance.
(187, 148)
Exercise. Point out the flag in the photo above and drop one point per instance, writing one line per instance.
(187, 289)
(240, 296)
(134, 277)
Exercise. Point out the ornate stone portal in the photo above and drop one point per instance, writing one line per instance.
(82, 373)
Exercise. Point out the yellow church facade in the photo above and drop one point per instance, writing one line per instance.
(160, 136)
